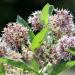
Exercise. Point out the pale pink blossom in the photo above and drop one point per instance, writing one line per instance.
(62, 21)
(14, 34)
(34, 20)
(58, 51)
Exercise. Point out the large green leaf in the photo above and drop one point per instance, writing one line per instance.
(18, 64)
(46, 11)
(62, 67)
(25, 24)
(37, 41)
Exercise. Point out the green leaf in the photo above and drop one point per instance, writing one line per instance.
(44, 14)
(35, 65)
(25, 24)
(71, 50)
(2, 70)
(46, 11)
(18, 64)
(51, 8)
(62, 67)
(37, 41)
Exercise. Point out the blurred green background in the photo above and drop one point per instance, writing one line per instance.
(9, 9)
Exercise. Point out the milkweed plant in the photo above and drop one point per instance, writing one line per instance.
(42, 45)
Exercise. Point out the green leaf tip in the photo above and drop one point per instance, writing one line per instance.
(46, 11)
(37, 41)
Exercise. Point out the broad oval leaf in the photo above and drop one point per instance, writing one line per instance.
(62, 67)
(38, 39)
(46, 11)
(25, 24)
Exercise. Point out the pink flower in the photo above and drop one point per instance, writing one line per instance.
(14, 34)
(58, 50)
(62, 21)
(34, 20)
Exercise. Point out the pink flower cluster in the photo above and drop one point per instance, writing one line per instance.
(59, 50)
(62, 21)
(34, 20)
(14, 34)
(64, 44)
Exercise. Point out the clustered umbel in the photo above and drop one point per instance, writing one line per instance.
(58, 51)
(54, 58)
(34, 20)
(14, 55)
(27, 53)
(42, 54)
(14, 34)
(63, 27)
(65, 43)
(13, 37)
(62, 22)
(12, 70)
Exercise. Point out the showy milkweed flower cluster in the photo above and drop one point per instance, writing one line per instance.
(62, 21)
(64, 44)
(14, 34)
(61, 24)
(58, 51)
(34, 20)
(13, 37)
